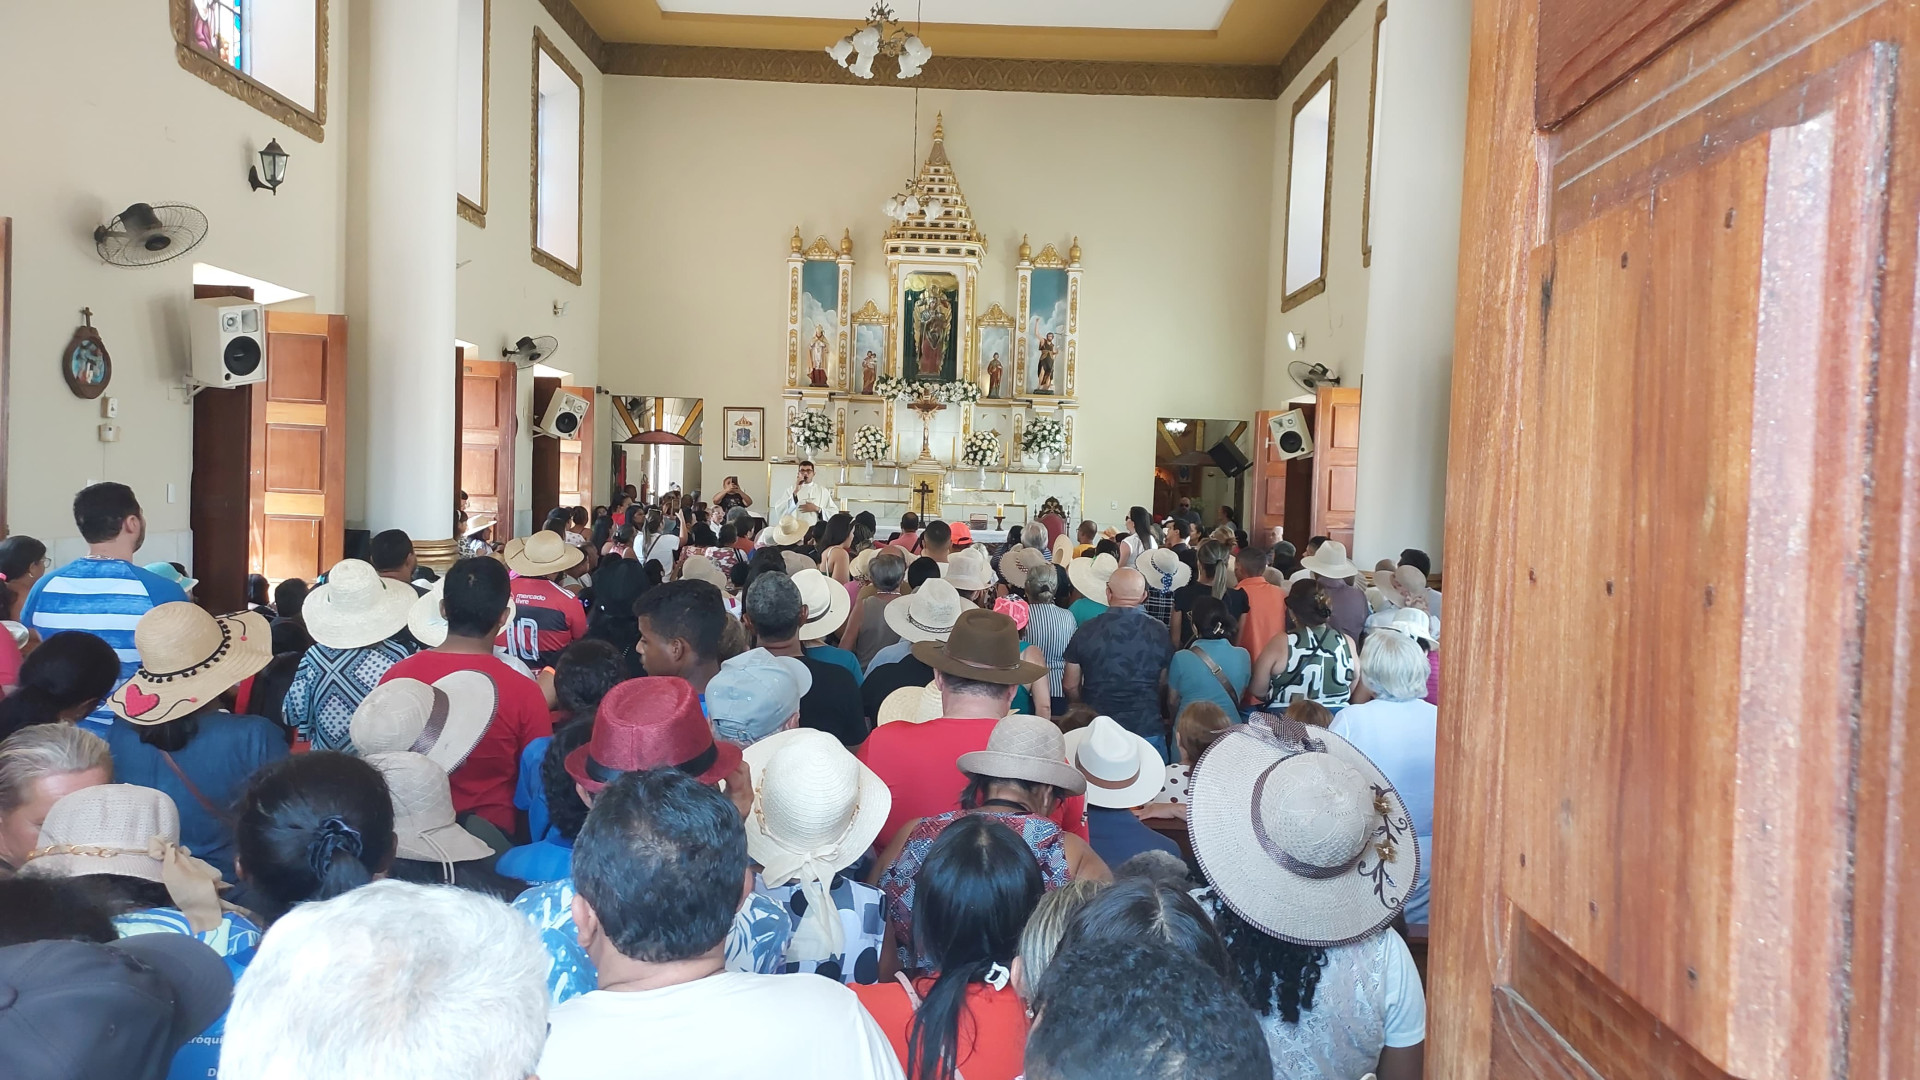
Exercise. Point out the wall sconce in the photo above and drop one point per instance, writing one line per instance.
(273, 165)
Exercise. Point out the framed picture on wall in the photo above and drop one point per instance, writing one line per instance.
(745, 435)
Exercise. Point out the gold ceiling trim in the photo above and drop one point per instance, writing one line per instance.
(1319, 31)
(950, 73)
(576, 26)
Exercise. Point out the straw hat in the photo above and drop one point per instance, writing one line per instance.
(1410, 586)
(1300, 834)
(428, 624)
(1330, 561)
(187, 659)
(1123, 770)
(541, 554)
(984, 646)
(1163, 569)
(794, 562)
(910, 704)
(1090, 575)
(443, 720)
(130, 830)
(787, 531)
(826, 601)
(969, 570)
(701, 568)
(357, 607)
(653, 722)
(816, 810)
(928, 613)
(1016, 564)
(858, 567)
(1025, 748)
(423, 817)
(1416, 624)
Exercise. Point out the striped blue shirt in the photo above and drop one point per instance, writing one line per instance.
(102, 597)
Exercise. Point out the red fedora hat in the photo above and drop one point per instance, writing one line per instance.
(651, 723)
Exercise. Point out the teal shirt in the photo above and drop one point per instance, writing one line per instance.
(1084, 610)
(838, 656)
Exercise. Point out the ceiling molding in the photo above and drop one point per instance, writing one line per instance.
(1257, 81)
(576, 26)
(1311, 40)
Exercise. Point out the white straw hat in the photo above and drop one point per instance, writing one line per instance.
(1090, 576)
(1330, 561)
(1163, 569)
(1025, 748)
(428, 624)
(423, 816)
(826, 601)
(1123, 770)
(910, 704)
(188, 658)
(129, 830)
(787, 531)
(356, 607)
(1416, 624)
(928, 613)
(541, 554)
(969, 570)
(443, 720)
(1300, 834)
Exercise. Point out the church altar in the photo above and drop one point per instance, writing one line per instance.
(924, 404)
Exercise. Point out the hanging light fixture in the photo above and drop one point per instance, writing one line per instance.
(881, 36)
(1176, 427)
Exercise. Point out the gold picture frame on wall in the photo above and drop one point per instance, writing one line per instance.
(1373, 121)
(1047, 334)
(192, 56)
(993, 353)
(871, 345)
(819, 284)
(544, 46)
(1306, 150)
(469, 209)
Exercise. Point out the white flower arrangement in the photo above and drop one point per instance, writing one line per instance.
(869, 443)
(957, 393)
(813, 430)
(892, 386)
(982, 448)
(1045, 435)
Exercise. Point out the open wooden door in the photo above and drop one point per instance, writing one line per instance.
(484, 469)
(562, 468)
(298, 492)
(1269, 509)
(1683, 511)
(576, 457)
(1336, 462)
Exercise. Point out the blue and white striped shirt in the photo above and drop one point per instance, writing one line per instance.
(102, 597)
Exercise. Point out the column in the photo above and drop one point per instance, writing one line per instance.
(408, 325)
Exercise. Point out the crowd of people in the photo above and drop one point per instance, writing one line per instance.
(669, 789)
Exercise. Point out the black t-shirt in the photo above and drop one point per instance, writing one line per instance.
(909, 670)
(833, 705)
(1185, 595)
(730, 500)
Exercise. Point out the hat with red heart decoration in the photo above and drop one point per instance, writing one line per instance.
(188, 658)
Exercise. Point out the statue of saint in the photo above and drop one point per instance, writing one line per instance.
(869, 371)
(994, 370)
(817, 358)
(1043, 383)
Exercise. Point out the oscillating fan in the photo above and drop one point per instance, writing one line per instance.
(1311, 377)
(529, 351)
(147, 235)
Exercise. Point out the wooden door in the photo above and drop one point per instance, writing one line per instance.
(576, 457)
(562, 468)
(1336, 461)
(488, 397)
(1682, 517)
(298, 454)
(1269, 509)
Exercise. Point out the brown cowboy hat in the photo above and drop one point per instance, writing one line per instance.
(985, 646)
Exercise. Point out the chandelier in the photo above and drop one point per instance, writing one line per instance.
(1176, 427)
(881, 36)
(910, 201)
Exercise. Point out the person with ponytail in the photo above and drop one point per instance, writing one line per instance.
(1141, 536)
(60, 682)
(1212, 576)
(975, 890)
(311, 828)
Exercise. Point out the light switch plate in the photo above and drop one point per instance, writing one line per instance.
(109, 432)
(110, 407)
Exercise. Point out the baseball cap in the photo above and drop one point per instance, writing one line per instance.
(962, 535)
(754, 693)
(74, 1010)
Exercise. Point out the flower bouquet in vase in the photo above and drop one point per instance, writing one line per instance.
(869, 446)
(1045, 438)
(812, 431)
(982, 450)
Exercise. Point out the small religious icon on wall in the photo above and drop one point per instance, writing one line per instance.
(995, 369)
(85, 363)
(817, 358)
(869, 371)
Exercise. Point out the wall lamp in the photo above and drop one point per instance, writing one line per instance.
(273, 166)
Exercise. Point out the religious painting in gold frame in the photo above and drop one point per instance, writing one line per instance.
(993, 353)
(1047, 332)
(871, 351)
(819, 284)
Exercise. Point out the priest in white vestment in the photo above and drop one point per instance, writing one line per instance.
(807, 500)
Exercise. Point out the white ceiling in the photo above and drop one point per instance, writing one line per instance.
(1076, 14)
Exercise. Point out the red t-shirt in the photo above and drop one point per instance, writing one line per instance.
(906, 541)
(484, 782)
(993, 1028)
(547, 619)
(916, 761)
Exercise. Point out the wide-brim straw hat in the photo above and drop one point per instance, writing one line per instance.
(926, 614)
(1016, 564)
(1330, 561)
(861, 562)
(969, 570)
(1416, 624)
(813, 802)
(653, 722)
(984, 646)
(1090, 576)
(787, 531)
(423, 818)
(428, 624)
(129, 830)
(701, 568)
(1163, 569)
(541, 554)
(794, 562)
(188, 658)
(910, 705)
(1300, 834)
(1123, 770)
(1025, 748)
(357, 607)
(443, 719)
(475, 526)
(826, 601)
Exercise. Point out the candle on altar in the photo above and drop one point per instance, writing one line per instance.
(999, 510)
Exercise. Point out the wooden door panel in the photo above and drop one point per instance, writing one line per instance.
(293, 546)
(1588, 45)
(1670, 488)
(1336, 462)
(1269, 484)
(299, 373)
(576, 457)
(295, 456)
(298, 482)
(488, 398)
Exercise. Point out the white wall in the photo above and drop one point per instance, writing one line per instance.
(712, 176)
(137, 127)
(1416, 252)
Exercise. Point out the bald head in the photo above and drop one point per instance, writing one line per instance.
(1127, 588)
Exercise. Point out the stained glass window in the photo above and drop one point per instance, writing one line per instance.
(219, 29)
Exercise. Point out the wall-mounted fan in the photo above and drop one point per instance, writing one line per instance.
(146, 234)
(529, 351)
(1311, 377)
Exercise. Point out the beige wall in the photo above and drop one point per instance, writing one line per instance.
(1168, 196)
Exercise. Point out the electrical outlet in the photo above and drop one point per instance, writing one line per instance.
(110, 407)
(109, 432)
(1111, 505)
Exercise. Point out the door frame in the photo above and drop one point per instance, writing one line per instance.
(467, 361)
